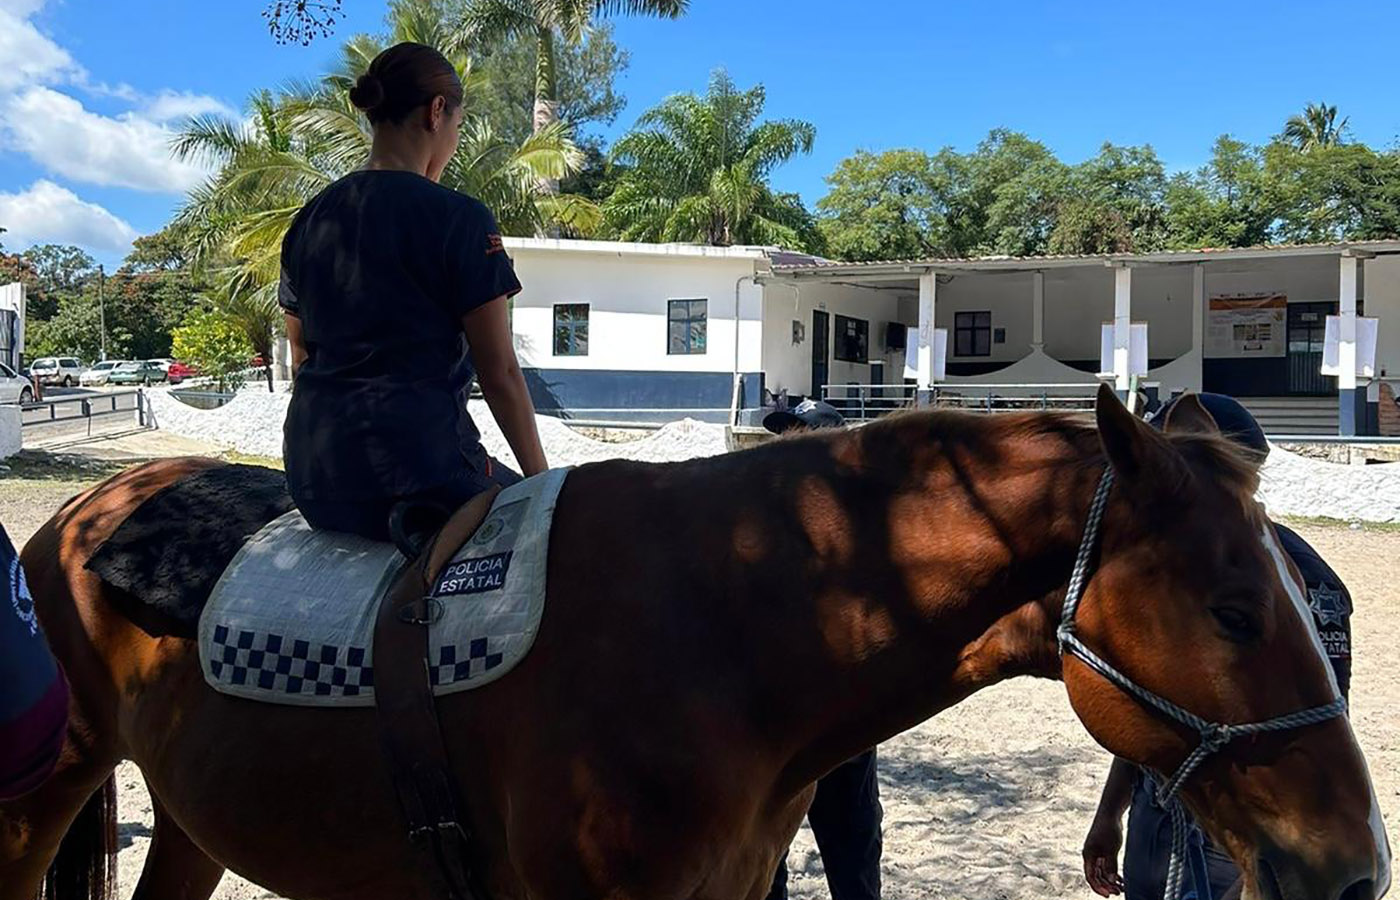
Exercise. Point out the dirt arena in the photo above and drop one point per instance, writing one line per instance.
(990, 799)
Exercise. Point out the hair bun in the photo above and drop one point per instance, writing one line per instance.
(367, 93)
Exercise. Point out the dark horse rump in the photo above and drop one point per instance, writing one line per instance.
(170, 552)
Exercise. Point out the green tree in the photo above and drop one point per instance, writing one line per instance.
(59, 270)
(697, 169)
(295, 142)
(1316, 126)
(888, 205)
(217, 344)
(545, 22)
(587, 95)
(1229, 202)
(1114, 203)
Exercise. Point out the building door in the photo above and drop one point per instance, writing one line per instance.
(821, 352)
(1307, 323)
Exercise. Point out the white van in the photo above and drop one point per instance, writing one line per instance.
(60, 370)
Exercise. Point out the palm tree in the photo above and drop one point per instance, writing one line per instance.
(544, 20)
(295, 143)
(1316, 126)
(697, 168)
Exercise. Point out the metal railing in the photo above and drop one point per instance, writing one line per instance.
(85, 407)
(862, 402)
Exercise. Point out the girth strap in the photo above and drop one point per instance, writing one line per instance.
(408, 722)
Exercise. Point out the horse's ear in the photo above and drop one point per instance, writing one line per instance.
(1133, 448)
(1188, 415)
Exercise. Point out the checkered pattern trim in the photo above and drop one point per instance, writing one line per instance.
(453, 666)
(274, 663)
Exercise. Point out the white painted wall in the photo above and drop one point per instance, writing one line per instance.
(1381, 282)
(789, 366)
(10, 440)
(627, 295)
(1006, 295)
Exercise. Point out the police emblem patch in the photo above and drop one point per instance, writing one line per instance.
(21, 599)
(1328, 604)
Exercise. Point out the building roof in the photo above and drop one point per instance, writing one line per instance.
(910, 267)
(626, 248)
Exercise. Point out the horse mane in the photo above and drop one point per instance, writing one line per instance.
(1226, 464)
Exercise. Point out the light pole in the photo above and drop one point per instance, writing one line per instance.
(102, 308)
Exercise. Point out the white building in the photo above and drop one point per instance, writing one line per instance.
(638, 332)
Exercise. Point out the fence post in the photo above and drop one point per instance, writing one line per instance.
(86, 408)
(140, 408)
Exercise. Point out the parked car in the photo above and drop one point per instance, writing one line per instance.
(14, 388)
(179, 371)
(145, 371)
(164, 362)
(99, 373)
(60, 370)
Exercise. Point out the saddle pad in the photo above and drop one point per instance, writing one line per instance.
(169, 552)
(292, 619)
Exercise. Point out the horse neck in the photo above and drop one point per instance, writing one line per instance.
(955, 581)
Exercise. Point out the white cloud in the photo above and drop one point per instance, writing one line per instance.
(58, 132)
(27, 56)
(47, 213)
(171, 106)
(64, 137)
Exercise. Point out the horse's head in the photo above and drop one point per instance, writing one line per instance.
(1194, 600)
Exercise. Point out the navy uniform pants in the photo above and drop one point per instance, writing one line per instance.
(1209, 873)
(845, 818)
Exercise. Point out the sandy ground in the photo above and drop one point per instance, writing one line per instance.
(988, 800)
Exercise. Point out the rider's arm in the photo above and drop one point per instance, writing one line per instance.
(1105, 836)
(503, 384)
(297, 342)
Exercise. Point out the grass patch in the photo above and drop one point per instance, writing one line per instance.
(247, 459)
(1338, 524)
(37, 465)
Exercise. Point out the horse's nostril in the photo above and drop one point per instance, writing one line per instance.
(1365, 889)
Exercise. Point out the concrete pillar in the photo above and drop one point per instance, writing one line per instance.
(1038, 310)
(1122, 326)
(928, 289)
(1346, 349)
(1198, 320)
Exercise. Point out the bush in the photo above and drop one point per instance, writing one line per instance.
(216, 344)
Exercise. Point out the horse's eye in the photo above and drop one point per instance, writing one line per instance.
(1239, 626)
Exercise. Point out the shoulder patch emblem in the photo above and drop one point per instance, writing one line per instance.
(1328, 604)
(494, 244)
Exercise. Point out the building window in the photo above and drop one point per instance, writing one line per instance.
(972, 334)
(571, 329)
(686, 326)
(852, 340)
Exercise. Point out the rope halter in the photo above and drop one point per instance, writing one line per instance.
(1212, 735)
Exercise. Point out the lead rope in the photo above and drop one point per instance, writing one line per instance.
(1212, 735)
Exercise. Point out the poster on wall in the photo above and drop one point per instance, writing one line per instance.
(1248, 326)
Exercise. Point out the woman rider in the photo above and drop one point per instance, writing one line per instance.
(395, 290)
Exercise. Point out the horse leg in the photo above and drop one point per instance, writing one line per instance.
(60, 840)
(175, 868)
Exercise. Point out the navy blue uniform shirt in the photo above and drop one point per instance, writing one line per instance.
(380, 267)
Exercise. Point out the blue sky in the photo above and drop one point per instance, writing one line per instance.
(89, 89)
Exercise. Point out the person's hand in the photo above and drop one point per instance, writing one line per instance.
(1101, 848)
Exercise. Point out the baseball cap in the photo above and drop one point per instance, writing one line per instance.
(1234, 420)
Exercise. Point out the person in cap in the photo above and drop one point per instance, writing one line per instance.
(1213, 875)
(845, 813)
(33, 691)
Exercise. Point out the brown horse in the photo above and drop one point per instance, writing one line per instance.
(719, 634)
